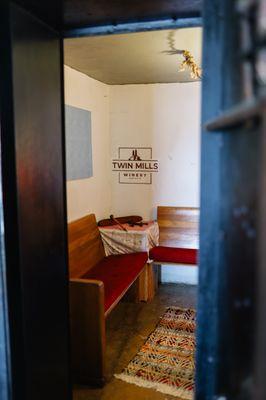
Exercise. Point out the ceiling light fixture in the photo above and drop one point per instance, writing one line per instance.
(188, 62)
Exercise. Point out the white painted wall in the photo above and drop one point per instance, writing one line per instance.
(92, 195)
(167, 118)
(180, 274)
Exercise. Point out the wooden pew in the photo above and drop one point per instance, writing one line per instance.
(179, 236)
(89, 301)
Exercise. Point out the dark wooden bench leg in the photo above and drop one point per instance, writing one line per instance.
(132, 295)
(87, 331)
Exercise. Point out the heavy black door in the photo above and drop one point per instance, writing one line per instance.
(232, 210)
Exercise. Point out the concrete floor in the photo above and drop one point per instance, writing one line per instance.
(128, 327)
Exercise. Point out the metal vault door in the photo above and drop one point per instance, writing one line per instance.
(232, 196)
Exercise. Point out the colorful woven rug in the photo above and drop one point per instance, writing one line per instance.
(166, 360)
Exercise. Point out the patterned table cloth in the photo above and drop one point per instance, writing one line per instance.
(136, 239)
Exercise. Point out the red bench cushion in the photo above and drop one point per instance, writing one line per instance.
(117, 273)
(174, 255)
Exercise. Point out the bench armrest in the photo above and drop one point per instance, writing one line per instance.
(87, 330)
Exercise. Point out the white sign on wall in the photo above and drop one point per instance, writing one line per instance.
(135, 165)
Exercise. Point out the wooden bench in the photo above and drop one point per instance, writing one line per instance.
(97, 284)
(179, 236)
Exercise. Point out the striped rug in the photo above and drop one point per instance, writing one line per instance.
(166, 360)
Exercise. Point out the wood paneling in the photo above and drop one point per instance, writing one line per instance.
(84, 245)
(179, 226)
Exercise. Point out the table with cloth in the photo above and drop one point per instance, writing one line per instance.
(134, 239)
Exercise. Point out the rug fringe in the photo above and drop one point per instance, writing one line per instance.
(159, 387)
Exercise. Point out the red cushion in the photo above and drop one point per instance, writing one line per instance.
(117, 273)
(174, 255)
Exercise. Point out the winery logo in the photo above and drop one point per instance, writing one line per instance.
(135, 156)
(135, 165)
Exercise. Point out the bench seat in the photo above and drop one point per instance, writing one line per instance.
(97, 284)
(174, 255)
(117, 272)
(179, 234)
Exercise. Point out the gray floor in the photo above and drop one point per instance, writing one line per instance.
(128, 327)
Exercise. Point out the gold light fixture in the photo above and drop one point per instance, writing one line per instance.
(189, 62)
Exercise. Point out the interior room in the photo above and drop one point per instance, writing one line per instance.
(132, 118)
(110, 286)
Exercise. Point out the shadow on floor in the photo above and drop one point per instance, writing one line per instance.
(128, 327)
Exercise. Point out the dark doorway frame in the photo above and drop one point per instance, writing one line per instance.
(34, 330)
(230, 263)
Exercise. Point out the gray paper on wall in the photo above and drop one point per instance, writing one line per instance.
(78, 143)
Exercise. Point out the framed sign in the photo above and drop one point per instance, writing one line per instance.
(135, 165)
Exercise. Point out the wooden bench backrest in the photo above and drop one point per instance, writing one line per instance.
(179, 227)
(85, 247)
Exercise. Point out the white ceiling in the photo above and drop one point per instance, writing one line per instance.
(135, 57)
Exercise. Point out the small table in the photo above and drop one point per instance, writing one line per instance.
(136, 239)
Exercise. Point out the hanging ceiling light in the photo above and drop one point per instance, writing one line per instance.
(188, 62)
